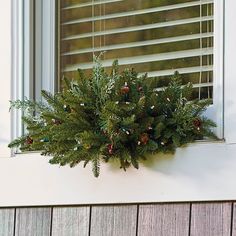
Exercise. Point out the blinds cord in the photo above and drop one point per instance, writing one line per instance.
(201, 47)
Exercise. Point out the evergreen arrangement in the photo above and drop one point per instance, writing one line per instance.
(112, 116)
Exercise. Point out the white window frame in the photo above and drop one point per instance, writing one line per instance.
(201, 171)
(41, 68)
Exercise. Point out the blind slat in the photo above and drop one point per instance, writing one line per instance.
(187, 70)
(140, 44)
(87, 4)
(202, 85)
(138, 12)
(146, 58)
(142, 27)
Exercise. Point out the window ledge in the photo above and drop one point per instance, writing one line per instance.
(200, 171)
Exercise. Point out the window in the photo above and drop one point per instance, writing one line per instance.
(157, 37)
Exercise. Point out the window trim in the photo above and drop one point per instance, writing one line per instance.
(218, 67)
(29, 180)
(229, 73)
(33, 33)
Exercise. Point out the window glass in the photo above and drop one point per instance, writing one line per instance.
(158, 37)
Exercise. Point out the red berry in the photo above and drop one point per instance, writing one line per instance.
(125, 89)
(29, 140)
(144, 138)
(56, 122)
(197, 123)
(110, 149)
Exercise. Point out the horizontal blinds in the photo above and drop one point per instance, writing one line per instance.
(158, 37)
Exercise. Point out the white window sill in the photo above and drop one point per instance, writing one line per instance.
(202, 171)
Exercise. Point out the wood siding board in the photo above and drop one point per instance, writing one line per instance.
(204, 219)
(164, 220)
(113, 220)
(33, 221)
(70, 221)
(210, 219)
(234, 220)
(7, 222)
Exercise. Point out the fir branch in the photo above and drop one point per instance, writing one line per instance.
(96, 165)
(17, 142)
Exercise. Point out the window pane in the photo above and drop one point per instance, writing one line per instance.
(157, 37)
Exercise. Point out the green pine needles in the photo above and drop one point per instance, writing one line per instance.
(112, 116)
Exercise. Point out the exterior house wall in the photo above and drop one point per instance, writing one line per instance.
(189, 218)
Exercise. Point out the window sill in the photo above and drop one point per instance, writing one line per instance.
(200, 172)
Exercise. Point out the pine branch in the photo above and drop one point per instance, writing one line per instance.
(96, 165)
(17, 142)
